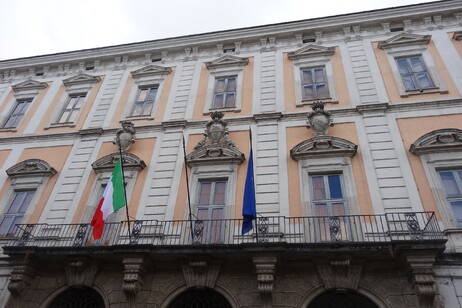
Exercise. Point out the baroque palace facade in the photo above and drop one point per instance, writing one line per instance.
(357, 150)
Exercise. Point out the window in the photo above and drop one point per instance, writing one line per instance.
(414, 73)
(224, 95)
(16, 115)
(452, 183)
(16, 211)
(210, 210)
(72, 109)
(145, 102)
(314, 83)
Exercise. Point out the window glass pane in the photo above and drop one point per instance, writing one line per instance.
(319, 191)
(322, 91)
(73, 116)
(319, 75)
(6, 224)
(217, 213)
(457, 209)
(335, 186)
(402, 66)
(204, 197)
(148, 108)
(202, 214)
(218, 101)
(416, 65)
(308, 92)
(11, 122)
(307, 77)
(338, 209)
(137, 110)
(230, 100)
(219, 197)
(231, 85)
(449, 184)
(424, 81)
(27, 199)
(220, 86)
(320, 209)
(142, 96)
(78, 102)
(152, 94)
(409, 83)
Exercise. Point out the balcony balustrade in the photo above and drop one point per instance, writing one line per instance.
(385, 228)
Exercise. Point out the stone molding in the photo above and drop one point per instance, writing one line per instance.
(81, 272)
(151, 70)
(322, 146)
(404, 39)
(227, 61)
(81, 79)
(340, 274)
(134, 270)
(311, 50)
(440, 140)
(265, 268)
(422, 277)
(29, 85)
(215, 147)
(107, 163)
(200, 274)
(30, 168)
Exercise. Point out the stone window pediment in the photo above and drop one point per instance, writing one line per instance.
(227, 61)
(28, 89)
(107, 163)
(81, 83)
(404, 39)
(215, 147)
(437, 141)
(323, 146)
(310, 51)
(31, 168)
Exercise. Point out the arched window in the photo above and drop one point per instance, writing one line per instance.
(201, 298)
(335, 299)
(78, 298)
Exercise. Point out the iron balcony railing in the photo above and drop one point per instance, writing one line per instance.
(391, 227)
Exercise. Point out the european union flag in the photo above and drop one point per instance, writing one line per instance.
(249, 207)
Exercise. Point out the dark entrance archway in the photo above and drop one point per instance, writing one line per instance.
(200, 298)
(335, 299)
(78, 298)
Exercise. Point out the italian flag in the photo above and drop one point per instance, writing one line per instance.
(113, 199)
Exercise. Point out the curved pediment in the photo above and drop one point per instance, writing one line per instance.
(404, 39)
(151, 70)
(440, 140)
(311, 50)
(31, 168)
(107, 163)
(81, 79)
(227, 61)
(322, 146)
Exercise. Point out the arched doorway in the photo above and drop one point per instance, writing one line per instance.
(78, 297)
(347, 299)
(200, 298)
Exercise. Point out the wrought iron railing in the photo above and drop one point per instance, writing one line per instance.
(383, 228)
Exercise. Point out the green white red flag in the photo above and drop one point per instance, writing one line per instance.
(113, 199)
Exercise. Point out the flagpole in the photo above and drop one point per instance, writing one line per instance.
(187, 188)
(125, 191)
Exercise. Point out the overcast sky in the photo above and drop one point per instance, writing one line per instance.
(37, 27)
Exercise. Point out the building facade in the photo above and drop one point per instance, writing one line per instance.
(356, 132)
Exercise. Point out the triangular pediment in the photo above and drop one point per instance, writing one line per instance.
(227, 61)
(107, 163)
(311, 50)
(440, 140)
(81, 79)
(405, 39)
(31, 168)
(323, 146)
(151, 70)
(29, 85)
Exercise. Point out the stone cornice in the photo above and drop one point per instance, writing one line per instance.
(250, 33)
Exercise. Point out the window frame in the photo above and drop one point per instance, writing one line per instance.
(449, 200)
(10, 114)
(17, 214)
(328, 201)
(80, 97)
(413, 74)
(224, 93)
(314, 83)
(137, 102)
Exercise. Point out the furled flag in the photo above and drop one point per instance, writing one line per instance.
(249, 207)
(113, 199)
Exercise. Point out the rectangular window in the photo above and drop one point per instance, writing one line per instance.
(211, 211)
(145, 102)
(72, 109)
(314, 83)
(224, 94)
(329, 207)
(16, 115)
(16, 211)
(452, 184)
(414, 73)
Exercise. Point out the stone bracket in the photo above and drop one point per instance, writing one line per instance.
(199, 274)
(422, 278)
(265, 267)
(134, 270)
(340, 274)
(80, 272)
(22, 275)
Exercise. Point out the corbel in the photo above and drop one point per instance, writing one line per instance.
(134, 270)
(265, 268)
(422, 277)
(200, 274)
(80, 272)
(340, 274)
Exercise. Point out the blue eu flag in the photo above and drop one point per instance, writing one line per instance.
(249, 208)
